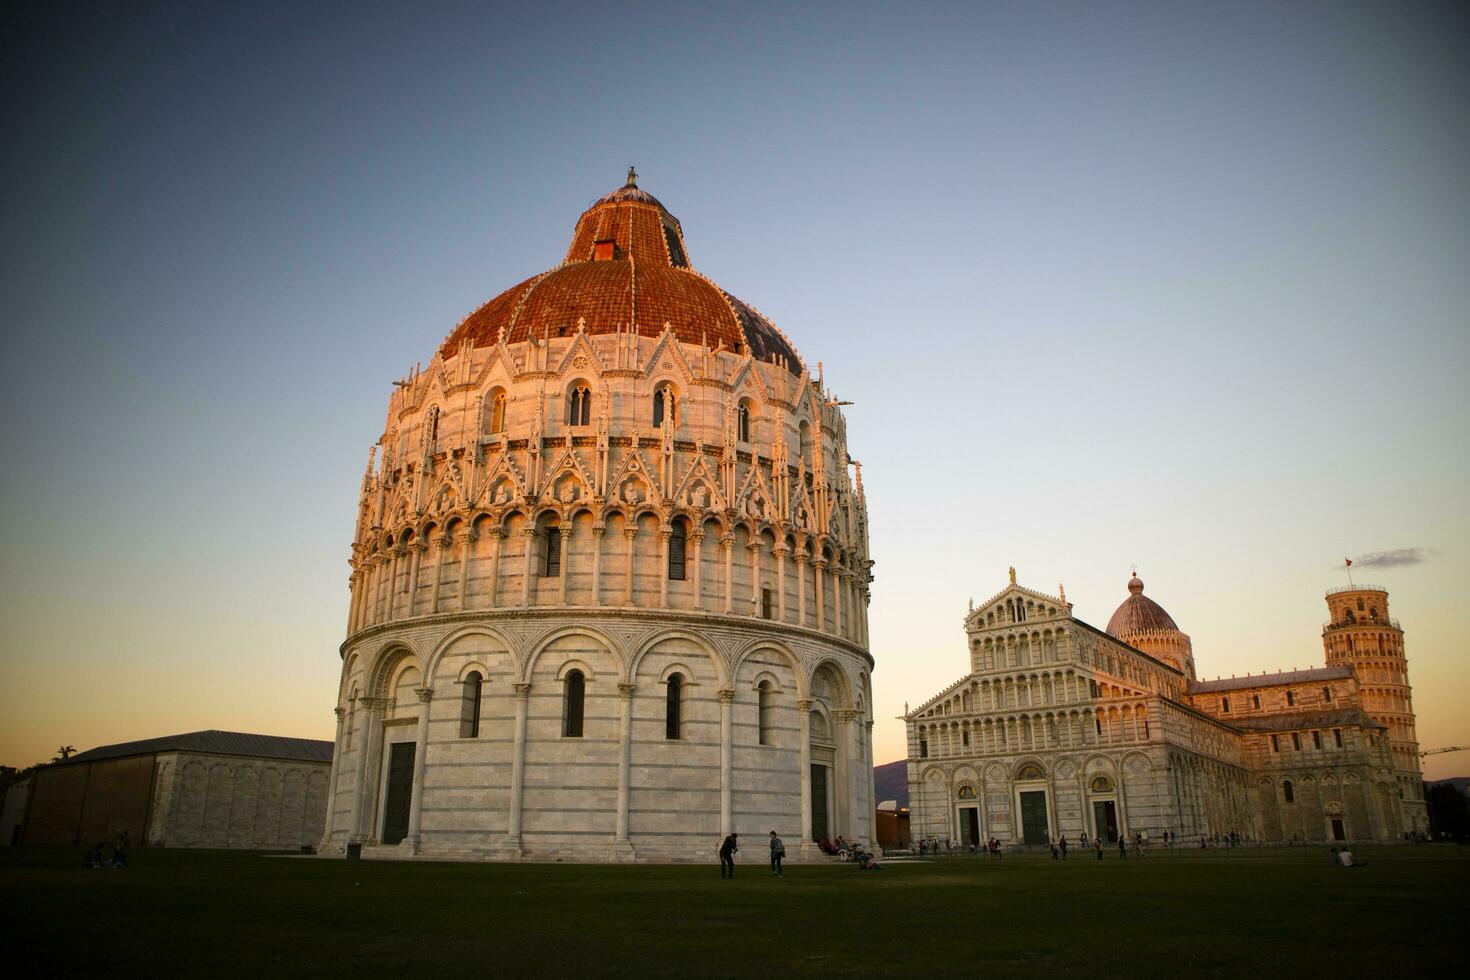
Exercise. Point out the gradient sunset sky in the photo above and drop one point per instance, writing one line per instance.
(1182, 284)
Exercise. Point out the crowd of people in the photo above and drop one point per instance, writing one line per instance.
(117, 859)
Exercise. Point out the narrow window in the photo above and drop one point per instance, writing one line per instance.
(1275, 744)
(1316, 740)
(1290, 698)
(1225, 705)
(765, 603)
(1337, 736)
(966, 737)
(766, 713)
(1360, 603)
(1145, 728)
(579, 405)
(469, 717)
(923, 748)
(433, 430)
(1256, 701)
(1097, 723)
(1296, 741)
(497, 414)
(575, 693)
(673, 705)
(678, 540)
(663, 403)
(1288, 791)
(1326, 694)
(743, 419)
(551, 551)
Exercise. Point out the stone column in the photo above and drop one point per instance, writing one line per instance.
(367, 768)
(466, 552)
(697, 539)
(380, 573)
(399, 554)
(566, 558)
(630, 533)
(727, 701)
(872, 814)
(415, 560)
(625, 757)
(727, 542)
(529, 533)
(597, 531)
(333, 774)
(820, 564)
(420, 745)
(518, 768)
(804, 715)
(755, 577)
(442, 543)
(780, 553)
(664, 534)
(839, 597)
(847, 719)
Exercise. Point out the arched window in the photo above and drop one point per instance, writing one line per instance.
(742, 421)
(678, 546)
(1290, 698)
(804, 434)
(1030, 772)
(551, 551)
(1256, 701)
(1288, 792)
(673, 706)
(579, 405)
(967, 792)
(573, 697)
(664, 403)
(431, 430)
(766, 603)
(1102, 784)
(495, 418)
(1225, 705)
(469, 710)
(923, 748)
(766, 713)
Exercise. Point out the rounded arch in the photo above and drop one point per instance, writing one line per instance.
(350, 665)
(803, 689)
(844, 692)
(685, 672)
(580, 666)
(385, 664)
(473, 667)
(449, 639)
(538, 646)
(722, 673)
(766, 677)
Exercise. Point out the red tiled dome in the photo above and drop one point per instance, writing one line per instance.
(626, 268)
(1139, 614)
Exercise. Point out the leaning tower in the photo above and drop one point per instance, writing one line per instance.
(1363, 636)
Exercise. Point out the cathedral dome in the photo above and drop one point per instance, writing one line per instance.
(626, 271)
(1139, 613)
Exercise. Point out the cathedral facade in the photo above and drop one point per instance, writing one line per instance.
(609, 578)
(1062, 729)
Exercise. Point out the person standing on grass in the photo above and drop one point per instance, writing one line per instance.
(727, 856)
(778, 851)
(1122, 846)
(1063, 843)
(1097, 843)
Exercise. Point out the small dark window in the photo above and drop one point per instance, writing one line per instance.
(1296, 741)
(1288, 791)
(676, 250)
(575, 695)
(1145, 728)
(673, 706)
(965, 738)
(743, 423)
(1326, 694)
(433, 430)
(1256, 701)
(766, 713)
(1360, 603)
(1316, 740)
(1290, 698)
(1275, 744)
(923, 748)
(1337, 736)
(1097, 723)
(469, 717)
(551, 550)
(765, 603)
(1225, 705)
(678, 541)
(663, 400)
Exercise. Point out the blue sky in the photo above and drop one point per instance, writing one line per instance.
(1175, 284)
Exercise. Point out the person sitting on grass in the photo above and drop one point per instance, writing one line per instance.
(1345, 858)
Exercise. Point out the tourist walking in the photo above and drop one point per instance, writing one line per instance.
(1097, 843)
(727, 856)
(778, 851)
(1063, 843)
(1122, 846)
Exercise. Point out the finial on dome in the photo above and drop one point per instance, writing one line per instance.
(1135, 584)
(632, 177)
(1013, 574)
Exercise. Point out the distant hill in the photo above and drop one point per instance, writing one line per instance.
(1461, 783)
(891, 782)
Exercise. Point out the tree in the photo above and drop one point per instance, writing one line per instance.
(65, 752)
(1449, 810)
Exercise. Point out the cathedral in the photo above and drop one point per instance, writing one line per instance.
(610, 578)
(1063, 729)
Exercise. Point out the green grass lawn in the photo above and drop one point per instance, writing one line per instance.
(1224, 913)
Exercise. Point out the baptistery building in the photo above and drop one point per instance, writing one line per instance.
(610, 578)
(1061, 729)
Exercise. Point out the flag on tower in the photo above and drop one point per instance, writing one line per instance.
(1349, 562)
